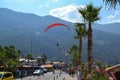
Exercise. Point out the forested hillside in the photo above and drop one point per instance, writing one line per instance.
(26, 32)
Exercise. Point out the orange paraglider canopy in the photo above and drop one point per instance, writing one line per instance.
(56, 24)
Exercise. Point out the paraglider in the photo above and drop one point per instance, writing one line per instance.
(57, 44)
(55, 25)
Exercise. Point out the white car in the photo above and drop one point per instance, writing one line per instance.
(38, 72)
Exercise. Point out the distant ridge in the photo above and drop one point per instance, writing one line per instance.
(25, 30)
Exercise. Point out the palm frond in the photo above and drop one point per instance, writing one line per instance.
(112, 3)
(90, 13)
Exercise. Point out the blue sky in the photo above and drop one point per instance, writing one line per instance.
(64, 9)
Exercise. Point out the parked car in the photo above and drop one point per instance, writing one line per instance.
(44, 70)
(38, 72)
(64, 69)
(6, 76)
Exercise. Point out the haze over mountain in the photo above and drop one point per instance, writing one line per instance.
(111, 27)
(26, 32)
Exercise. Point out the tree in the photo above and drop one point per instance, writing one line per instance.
(90, 15)
(19, 52)
(44, 58)
(8, 57)
(80, 29)
(10, 52)
(2, 58)
(74, 53)
(38, 61)
(112, 3)
(29, 56)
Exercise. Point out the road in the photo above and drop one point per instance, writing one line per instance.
(47, 76)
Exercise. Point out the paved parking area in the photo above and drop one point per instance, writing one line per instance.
(51, 76)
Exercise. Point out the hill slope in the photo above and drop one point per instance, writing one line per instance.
(26, 32)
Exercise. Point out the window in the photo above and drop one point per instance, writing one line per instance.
(1, 75)
(7, 75)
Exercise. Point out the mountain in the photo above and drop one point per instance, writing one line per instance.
(112, 27)
(26, 32)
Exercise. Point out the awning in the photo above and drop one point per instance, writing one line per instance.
(113, 68)
(47, 66)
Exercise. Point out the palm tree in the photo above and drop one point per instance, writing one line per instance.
(19, 52)
(38, 61)
(111, 3)
(29, 56)
(3, 58)
(74, 53)
(44, 58)
(80, 28)
(90, 15)
(75, 58)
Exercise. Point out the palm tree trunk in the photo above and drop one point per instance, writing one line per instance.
(90, 48)
(28, 61)
(80, 51)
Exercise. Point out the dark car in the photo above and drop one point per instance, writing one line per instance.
(64, 69)
(44, 70)
(38, 72)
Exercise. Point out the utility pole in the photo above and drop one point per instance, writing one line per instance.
(31, 47)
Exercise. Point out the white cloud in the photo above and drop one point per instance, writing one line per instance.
(68, 13)
(114, 21)
(113, 15)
